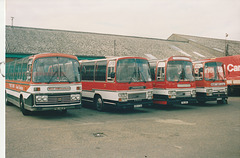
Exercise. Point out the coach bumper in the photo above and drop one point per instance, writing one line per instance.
(165, 100)
(215, 96)
(52, 107)
(129, 104)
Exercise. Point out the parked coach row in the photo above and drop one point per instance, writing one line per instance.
(57, 81)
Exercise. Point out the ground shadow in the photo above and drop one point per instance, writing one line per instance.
(114, 110)
(174, 107)
(208, 104)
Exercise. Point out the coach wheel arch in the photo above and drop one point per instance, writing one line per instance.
(98, 102)
(24, 111)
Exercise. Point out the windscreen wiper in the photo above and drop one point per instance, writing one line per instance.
(132, 77)
(212, 79)
(64, 75)
(53, 76)
(183, 74)
(140, 73)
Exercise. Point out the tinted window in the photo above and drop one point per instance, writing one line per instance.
(11, 70)
(161, 74)
(198, 72)
(24, 69)
(100, 71)
(153, 70)
(87, 71)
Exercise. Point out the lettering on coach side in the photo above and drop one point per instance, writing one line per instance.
(15, 86)
(11, 85)
(232, 67)
(19, 87)
(218, 84)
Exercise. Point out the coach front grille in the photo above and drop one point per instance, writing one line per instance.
(58, 99)
(133, 96)
(183, 94)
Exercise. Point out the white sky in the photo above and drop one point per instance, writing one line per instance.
(145, 18)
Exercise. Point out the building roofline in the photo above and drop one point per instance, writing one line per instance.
(222, 39)
(59, 30)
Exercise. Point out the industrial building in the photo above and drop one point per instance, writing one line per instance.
(25, 41)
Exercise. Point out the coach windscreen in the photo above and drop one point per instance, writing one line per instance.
(56, 69)
(133, 70)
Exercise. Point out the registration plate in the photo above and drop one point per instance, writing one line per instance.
(138, 100)
(219, 98)
(138, 106)
(184, 102)
(60, 108)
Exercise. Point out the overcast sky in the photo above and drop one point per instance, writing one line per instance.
(145, 18)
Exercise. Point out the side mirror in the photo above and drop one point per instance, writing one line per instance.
(28, 76)
(2, 69)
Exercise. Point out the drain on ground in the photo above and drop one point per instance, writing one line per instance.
(99, 134)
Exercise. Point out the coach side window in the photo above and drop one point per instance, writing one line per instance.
(88, 71)
(24, 69)
(198, 72)
(161, 71)
(100, 71)
(111, 71)
(11, 70)
(7, 71)
(29, 69)
(153, 70)
(17, 70)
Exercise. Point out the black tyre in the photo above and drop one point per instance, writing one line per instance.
(223, 101)
(201, 102)
(99, 105)
(147, 105)
(219, 102)
(6, 99)
(131, 108)
(24, 111)
(63, 112)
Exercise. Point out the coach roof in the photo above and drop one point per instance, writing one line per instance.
(25, 40)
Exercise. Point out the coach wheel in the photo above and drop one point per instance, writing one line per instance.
(201, 102)
(219, 102)
(147, 105)
(131, 108)
(6, 100)
(99, 103)
(24, 111)
(64, 111)
(226, 101)
(223, 101)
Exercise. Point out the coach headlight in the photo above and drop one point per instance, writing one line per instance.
(122, 97)
(75, 97)
(226, 90)
(193, 93)
(41, 98)
(150, 94)
(209, 92)
(172, 94)
(38, 98)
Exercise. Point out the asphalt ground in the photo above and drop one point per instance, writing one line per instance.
(181, 131)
